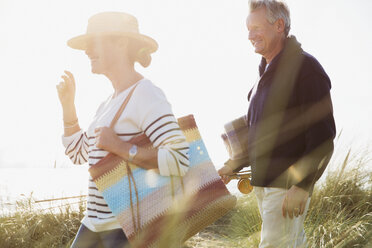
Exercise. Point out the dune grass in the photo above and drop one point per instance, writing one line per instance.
(32, 227)
(340, 215)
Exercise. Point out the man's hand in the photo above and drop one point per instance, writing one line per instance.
(224, 173)
(294, 202)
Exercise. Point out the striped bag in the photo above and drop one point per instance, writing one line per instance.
(158, 211)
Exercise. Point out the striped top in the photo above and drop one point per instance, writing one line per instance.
(149, 112)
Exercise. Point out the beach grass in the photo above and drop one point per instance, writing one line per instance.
(31, 226)
(340, 215)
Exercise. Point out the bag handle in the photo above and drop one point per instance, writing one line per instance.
(129, 171)
(122, 107)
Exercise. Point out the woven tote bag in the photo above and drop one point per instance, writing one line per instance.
(159, 211)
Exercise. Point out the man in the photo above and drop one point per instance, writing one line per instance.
(290, 126)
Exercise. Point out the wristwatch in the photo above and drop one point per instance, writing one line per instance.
(132, 153)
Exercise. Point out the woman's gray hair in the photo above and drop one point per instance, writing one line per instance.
(275, 9)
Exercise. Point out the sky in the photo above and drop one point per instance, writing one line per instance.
(205, 65)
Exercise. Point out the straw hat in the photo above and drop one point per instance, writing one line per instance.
(114, 24)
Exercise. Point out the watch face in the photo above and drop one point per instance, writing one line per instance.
(132, 152)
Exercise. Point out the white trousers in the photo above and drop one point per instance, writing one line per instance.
(277, 231)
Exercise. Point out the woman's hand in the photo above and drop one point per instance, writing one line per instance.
(66, 94)
(66, 89)
(108, 140)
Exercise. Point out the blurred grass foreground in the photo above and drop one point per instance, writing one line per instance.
(340, 215)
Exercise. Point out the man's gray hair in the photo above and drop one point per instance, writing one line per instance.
(275, 9)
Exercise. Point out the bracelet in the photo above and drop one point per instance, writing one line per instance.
(70, 124)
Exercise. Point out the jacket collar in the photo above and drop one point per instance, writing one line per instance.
(291, 45)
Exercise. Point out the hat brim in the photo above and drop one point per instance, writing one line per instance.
(81, 42)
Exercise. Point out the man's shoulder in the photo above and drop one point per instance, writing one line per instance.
(311, 66)
(312, 74)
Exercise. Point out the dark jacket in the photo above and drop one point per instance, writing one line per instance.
(290, 119)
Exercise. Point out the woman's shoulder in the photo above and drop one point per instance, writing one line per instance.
(146, 88)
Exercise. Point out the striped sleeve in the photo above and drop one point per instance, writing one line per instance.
(159, 124)
(76, 147)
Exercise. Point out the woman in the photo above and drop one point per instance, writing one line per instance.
(113, 44)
